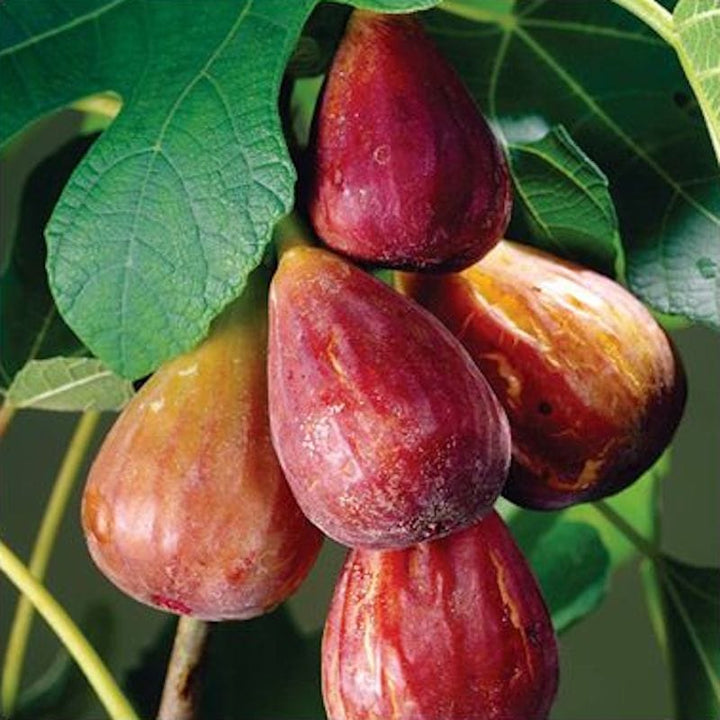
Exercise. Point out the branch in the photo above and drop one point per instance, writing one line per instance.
(7, 411)
(182, 682)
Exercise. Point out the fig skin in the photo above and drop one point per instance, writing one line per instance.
(386, 430)
(186, 507)
(405, 171)
(453, 629)
(592, 385)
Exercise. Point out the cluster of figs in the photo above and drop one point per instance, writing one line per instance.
(326, 402)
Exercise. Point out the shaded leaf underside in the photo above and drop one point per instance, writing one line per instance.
(566, 198)
(691, 604)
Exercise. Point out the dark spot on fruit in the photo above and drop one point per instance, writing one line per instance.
(170, 604)
(533, 634)
(544, 408)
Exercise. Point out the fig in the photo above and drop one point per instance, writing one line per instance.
(186, 507)
(592, 385)
(452, 629)
(386, 430)
(405, 172)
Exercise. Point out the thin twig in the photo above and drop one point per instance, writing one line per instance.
(44, 544)
(182, 682)
(7, 412)
(108, 692)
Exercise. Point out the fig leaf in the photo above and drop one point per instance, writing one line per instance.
(566, 200)
(689, 610)
(697, 23)
(160, 225)
(68, 384)
(622, 95)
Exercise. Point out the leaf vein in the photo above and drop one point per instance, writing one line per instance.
(577, 88)
(58, 30)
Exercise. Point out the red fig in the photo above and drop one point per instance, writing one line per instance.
(406, 172)
(454, 629)
(186, 507)
(591, 384)
(386, 430)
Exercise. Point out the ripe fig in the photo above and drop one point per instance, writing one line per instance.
(453, 629)
(386, 430)
(405, 171)
(186, 507)
(591, 384)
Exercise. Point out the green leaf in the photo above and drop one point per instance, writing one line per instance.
(621, 94)
(30, 326)
(697, 27)
(70, 384)
(569, 561)
(566, 200)
(637, 505)
(573, 551)
(160, 225)
(255, 669)
(691, 604)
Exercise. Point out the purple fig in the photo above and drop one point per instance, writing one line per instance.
(405, 172)
(454, 629)
(386, 430)
(186, 507)
(591, 384)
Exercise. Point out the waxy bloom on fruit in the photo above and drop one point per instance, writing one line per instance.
(591, 384)
(186, 507)
(386, 430)
(405, 171)
(454, 629)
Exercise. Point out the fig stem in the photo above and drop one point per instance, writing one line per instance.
(7, 412)
(180, 694)
(108, 692)
(44, 545)
(623, 526)
(290, 232)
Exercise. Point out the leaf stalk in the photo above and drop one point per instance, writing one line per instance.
(7, 412)
(44, 544)
(97, 674)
